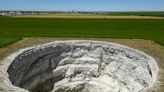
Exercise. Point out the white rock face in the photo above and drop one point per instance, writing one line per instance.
(82, 66)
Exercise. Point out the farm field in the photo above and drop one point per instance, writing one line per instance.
(89, 16)
(153, 13)
(14, 29)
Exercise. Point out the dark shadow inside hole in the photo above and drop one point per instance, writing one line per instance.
(34, 71)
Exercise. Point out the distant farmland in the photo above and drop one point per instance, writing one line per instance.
(14, 29)
(157, 13)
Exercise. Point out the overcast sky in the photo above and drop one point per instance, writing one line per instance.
(84, 5)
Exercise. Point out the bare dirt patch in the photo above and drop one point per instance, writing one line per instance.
(148, 47)
(87, 16)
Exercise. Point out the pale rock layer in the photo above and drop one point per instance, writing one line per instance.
(80, 66)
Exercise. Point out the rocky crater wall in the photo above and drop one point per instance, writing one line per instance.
(81, 66)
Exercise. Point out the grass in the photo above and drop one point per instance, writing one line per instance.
(13, 29)
(4, 41)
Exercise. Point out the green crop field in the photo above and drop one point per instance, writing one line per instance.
(160, 14)
(13, 29)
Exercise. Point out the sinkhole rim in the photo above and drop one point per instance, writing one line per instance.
(12, 57)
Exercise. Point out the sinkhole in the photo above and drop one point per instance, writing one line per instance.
(82, 66)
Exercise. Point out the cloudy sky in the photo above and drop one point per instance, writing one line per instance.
(85, 5)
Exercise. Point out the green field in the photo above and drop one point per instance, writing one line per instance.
(13, 29)
(160, 14)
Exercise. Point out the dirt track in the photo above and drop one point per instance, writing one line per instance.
(82, 16)
(146, 46)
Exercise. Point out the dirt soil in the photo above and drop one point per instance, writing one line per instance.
(86, 16)
(149, 47)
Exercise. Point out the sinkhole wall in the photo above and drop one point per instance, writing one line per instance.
(82, 66)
